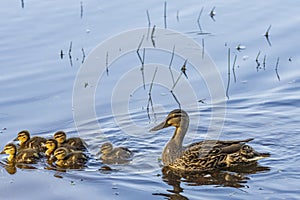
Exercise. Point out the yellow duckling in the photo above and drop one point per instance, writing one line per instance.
(205, 155)
(28, 156)
(51, 145)
(71, 160)
(118, 155)
(75, 142)
(27, 142)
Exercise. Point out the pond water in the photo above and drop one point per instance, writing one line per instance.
(45, 46)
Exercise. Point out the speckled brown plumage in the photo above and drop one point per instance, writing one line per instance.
(204, 155)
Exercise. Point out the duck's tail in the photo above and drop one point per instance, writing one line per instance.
(250, 155)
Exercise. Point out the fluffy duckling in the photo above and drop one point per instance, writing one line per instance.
(75, 142)
(118, 155)
(28, 156)
(67, 159)
(32, 143)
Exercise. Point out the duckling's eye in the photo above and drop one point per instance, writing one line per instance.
(22, 136)
(58, 137)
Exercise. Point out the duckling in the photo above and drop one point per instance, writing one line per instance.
(67, 159)
(204, 155)
(75, 142)
(28, 156)
(27, 142)
(50, 145)
(118, 155)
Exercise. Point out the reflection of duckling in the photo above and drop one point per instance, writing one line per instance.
(66, 159)
(118, 155)
(75, 142)
(28, 156)
(27, 142)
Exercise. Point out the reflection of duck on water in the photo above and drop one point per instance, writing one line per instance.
(205, 155)
(236, 178)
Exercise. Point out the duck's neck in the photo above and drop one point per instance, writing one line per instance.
(24, 143)
(11, 157)
(49, 151)
(174, 148)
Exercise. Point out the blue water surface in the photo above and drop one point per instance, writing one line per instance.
(44, 44)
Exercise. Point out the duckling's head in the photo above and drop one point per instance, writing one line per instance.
(60, 137)
(106, 148)
(177, 118)
(51, 145)
(60, 153)
(10, 149)
(23, 136)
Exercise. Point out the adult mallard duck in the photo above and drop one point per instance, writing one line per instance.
(28, 156)
(117, 155)
(205, 155)
(70, 160)
(32, 143)
(75, 142)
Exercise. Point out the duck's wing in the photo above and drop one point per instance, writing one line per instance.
(212, 143)
(211, 154)
(77, 142)
(123, 153)
(36, 143)
(76, 159)
(27, 156)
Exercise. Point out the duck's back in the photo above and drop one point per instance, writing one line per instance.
(76, 143)
(29, 156)
(73, 160)
(119, 155)
(35, 143)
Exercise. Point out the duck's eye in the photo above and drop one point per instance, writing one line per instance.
(246, 147)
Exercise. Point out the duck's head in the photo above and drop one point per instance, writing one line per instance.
(23, 136)
(51, 144)
(106, 148)
(60, 153)
(10, 149)
(60, 137)
(177, 118)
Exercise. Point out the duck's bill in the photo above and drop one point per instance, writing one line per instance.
(159, 126)
(2, 152)
(16, 139)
